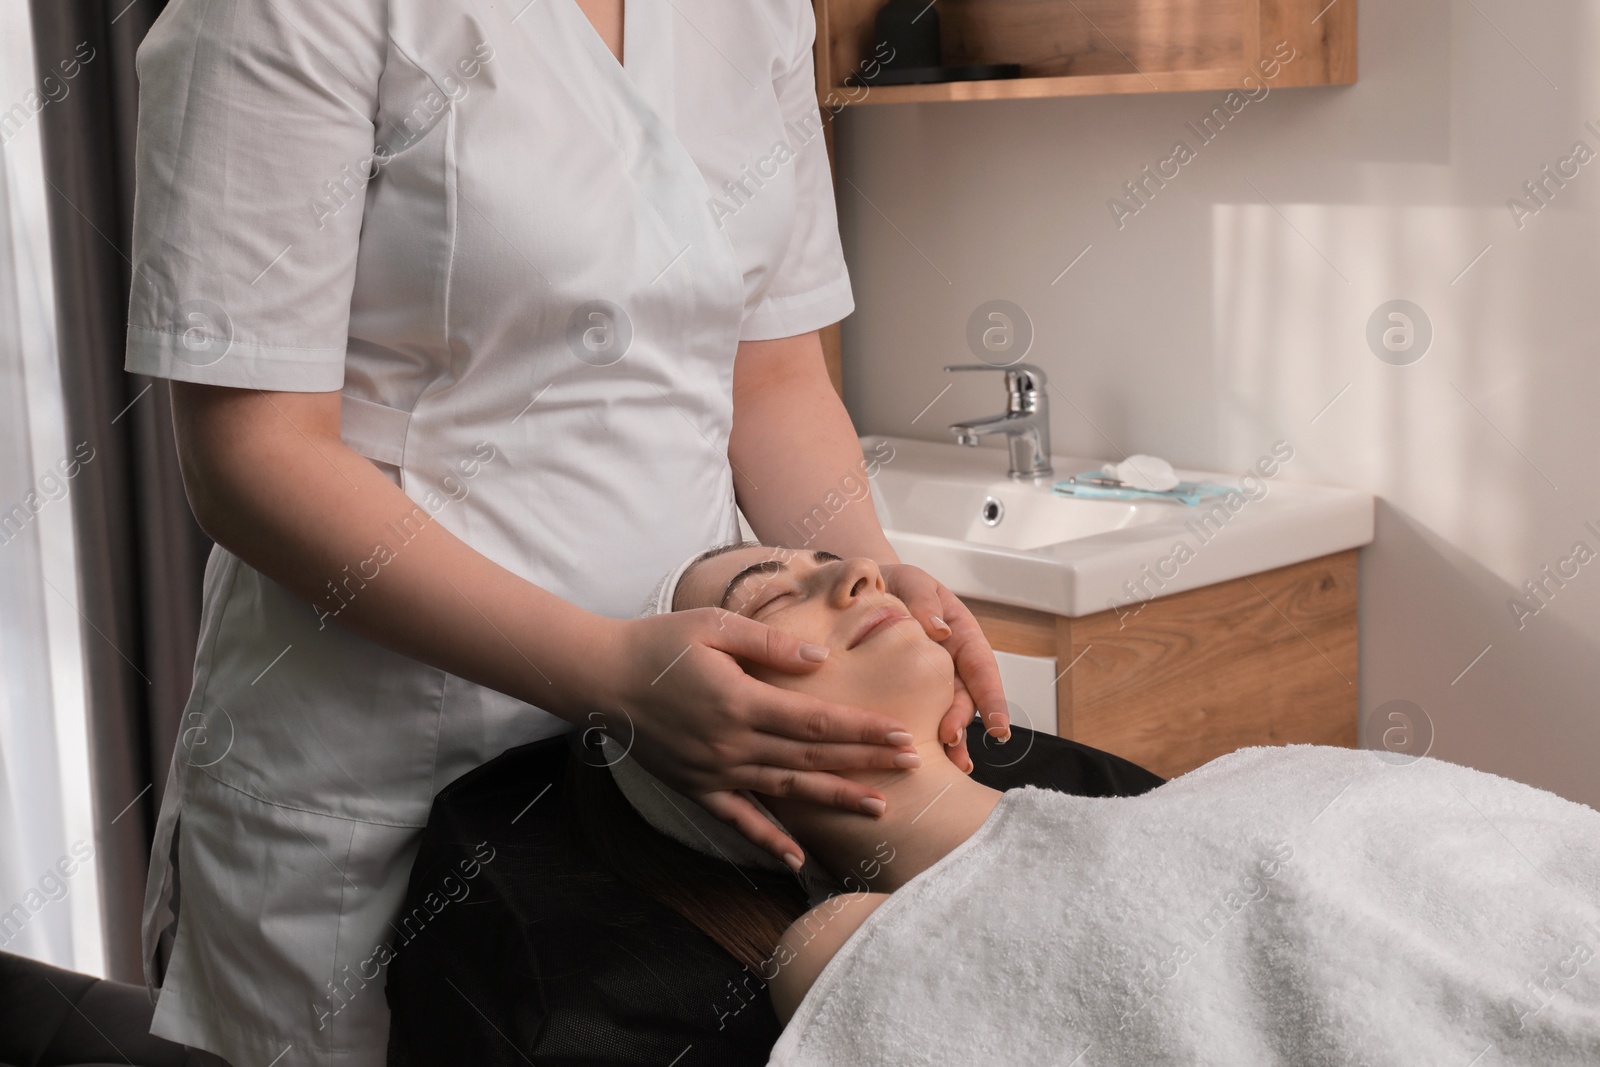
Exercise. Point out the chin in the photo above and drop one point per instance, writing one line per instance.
(923, 679)
(923, 656)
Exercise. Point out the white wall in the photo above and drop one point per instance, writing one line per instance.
(1214, 323)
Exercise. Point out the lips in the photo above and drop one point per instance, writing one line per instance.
(876, 620)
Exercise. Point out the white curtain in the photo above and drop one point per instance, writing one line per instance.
(49, 898)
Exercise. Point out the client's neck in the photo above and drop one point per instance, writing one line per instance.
(931, 810)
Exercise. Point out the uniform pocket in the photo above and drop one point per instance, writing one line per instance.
(283, 929)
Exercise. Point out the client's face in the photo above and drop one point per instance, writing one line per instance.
(880, 657)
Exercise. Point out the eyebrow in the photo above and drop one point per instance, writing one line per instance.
(770, 566)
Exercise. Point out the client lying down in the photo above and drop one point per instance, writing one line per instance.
(1297, 905)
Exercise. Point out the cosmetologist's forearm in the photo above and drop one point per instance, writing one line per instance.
(270, 480)
(799, 472)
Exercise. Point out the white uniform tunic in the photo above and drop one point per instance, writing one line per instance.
(527, 268)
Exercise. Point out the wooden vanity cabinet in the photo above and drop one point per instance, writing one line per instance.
(1268, 659)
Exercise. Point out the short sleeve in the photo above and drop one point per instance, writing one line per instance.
(255, 146)
(811, 287)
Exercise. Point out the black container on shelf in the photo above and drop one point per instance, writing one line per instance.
(910, 30)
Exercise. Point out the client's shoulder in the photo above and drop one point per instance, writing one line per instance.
(811, 941)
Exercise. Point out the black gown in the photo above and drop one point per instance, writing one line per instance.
(515, 946)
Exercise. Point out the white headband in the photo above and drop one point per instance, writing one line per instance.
(683, 819)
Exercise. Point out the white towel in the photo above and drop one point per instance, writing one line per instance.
(1300, 905)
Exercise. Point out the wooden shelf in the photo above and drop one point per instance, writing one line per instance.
(1098, 47)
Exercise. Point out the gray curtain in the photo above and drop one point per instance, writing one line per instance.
(141, 555)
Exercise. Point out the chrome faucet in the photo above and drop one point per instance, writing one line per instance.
(1025, 422)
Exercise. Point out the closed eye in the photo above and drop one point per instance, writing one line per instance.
(767, 604)
(768, 567)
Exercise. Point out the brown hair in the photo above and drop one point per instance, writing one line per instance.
(742, 909)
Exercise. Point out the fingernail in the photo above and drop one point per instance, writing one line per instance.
(939, 622)
(900, 737)
(907, 760)
(873, 806)
(813, 653)
(794, 862)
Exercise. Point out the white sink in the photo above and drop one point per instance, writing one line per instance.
(1075, 557)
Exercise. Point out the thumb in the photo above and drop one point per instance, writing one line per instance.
(924, 605)
(760, 643)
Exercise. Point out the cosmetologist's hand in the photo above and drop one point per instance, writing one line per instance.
(946, 619)
(693, 718)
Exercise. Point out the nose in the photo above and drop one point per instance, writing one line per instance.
(856, 578)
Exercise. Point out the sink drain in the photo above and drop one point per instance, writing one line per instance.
(992, 511)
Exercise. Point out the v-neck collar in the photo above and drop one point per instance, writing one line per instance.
(647, 49)
(627, 45)
(633, 105)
